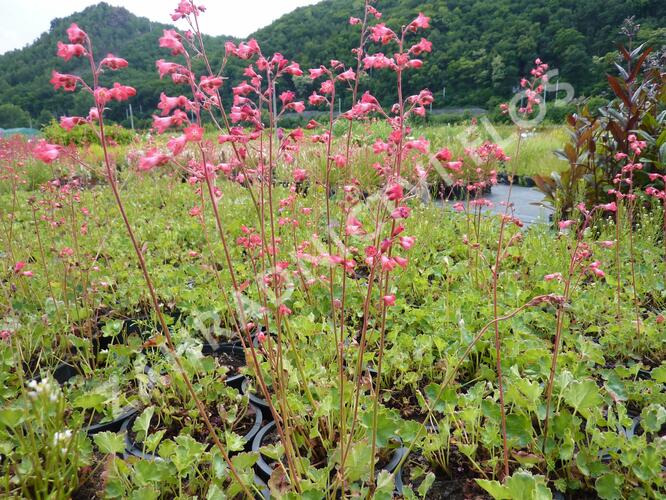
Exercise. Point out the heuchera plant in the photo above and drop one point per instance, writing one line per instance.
(256, 151)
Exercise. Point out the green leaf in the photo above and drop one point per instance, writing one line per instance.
(524, 486)
(649, 464)
(583, 395)
(519, 429)
(385, 486)
(244, 461)
(109, 442)
(615, 385)
(358, 461)
(150, 471)
(386, 426)
(653, 417)
(11, 417)
(112, 328)
(426, 484)
(495, 488)
(608, 486)
(659, 373)
(234, 441)
(90, 400)
(142, 423)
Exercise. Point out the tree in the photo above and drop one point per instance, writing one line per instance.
(12, 116)
(44, 118)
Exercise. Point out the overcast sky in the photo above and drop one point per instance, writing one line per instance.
(22, 21)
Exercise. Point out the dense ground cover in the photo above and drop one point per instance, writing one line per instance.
(287, 313)
(85, 289)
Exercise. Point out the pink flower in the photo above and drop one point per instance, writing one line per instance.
(5, 334)
(423, 46)
(299, 174)
(456, 166)
(113, 62)
(564, 224)
(316, 99)
(380, 33)
(47, 152)
(261, 337)
(594, 268)
(68, 122)
(340, 160)
(401, 212)
(76, 34)
(297, 106)
(122, 92)
(609, 207)
(421, 21)
(401, 261)
(395, 192)
(459, 206)
(152, 159)
(389, 300)
(169, 103)
(293, 69)
(210, 84)
(407, 242)
(66, 252)
(607, 243)
(67, 82)
(420, 144)
(168, 68)
(354, 20)
(378, 61)
(287, 97)
(102, 96)
(284, 310)
(161, 123)
(444, 154)
(316, 73)
(18, 267)
(171, 40)
(177, 144)
(67, 50)
(347, 75)
(194, 133)
(354, 226)
(554, 276)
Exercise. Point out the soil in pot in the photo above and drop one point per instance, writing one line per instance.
(92, 482)
(268, 436)
(460, 484)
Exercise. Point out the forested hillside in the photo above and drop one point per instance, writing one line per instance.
(480, 48)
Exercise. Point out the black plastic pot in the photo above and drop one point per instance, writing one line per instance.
(232, 348)
(63, 373)
(132, 449)
(264, 469)
(264, 492)
(256, 400)
(113, 425)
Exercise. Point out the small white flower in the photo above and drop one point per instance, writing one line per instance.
(65, 435)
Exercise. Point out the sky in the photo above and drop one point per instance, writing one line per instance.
(21, 22)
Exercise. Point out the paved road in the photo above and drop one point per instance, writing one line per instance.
(524, 203)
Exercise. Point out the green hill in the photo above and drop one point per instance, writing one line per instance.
(480, 48)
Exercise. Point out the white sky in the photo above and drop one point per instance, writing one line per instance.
(22, 21)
